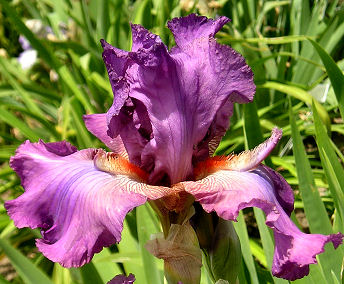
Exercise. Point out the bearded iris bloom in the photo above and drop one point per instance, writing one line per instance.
(170, 110)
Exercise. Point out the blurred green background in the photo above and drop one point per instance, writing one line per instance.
(51, 73)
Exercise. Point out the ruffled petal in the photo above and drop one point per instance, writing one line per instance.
(245, 161)
(78, 198)
(142, 38)
(193, 27)
(122, 279)
(175, 97)
(226, 192)
(294, 252)
(97, 125)
(117, 62)
(126, 117)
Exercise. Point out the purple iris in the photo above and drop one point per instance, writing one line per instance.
(170, 110)
(122, 279)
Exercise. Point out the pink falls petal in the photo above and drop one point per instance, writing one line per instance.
(79, 208)
(227, 192)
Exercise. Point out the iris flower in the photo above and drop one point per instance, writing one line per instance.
(170, 110)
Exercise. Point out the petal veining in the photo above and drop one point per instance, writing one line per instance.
(172, 99)
(227, 192)
(192, 27)
(79, 208)
(245, 161)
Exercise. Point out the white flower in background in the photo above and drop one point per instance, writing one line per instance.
(27, 58)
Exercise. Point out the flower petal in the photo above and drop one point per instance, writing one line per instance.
(180, 252)
(126, 117)
(245, 161)
(250, 159)
(142, 38)
(175, 97)
(117, 62)
(97, 125)
(122, 279)
(187, 29)
(79, 207)
(226, 192)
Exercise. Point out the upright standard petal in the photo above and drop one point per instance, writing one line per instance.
(188, 29)
(173, 98)
(78, 198)
(239, 182)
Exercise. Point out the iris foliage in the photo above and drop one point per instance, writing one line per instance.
(295, 49)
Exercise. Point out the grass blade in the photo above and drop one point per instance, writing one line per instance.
(332, 167)
(25, 268)
(275, 40)
(299, 94)
(334, 73)
(61, 275)
(241, 230)
(83, 137)
(44, 52)
(17, 123)
(31, 105)
(254, 137)
(129, 244)
(314, 208)
(90, 274)
(146, 227)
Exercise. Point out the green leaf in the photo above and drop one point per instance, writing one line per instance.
(83, 136)
(254, 137)
(140, 14)
(44, 51)
(68, 79)
(335, 74)
(225, 254)
(128, 244)
(299, 94)
(61, 275)
(90, 274)
(105, 265)
(241, 230)
(17, 123)
(145, 228)
(273, 40)
(25, 268)
(333, 169)
(31, 105)
(314, 208)
(103, 19)
(258, 252)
